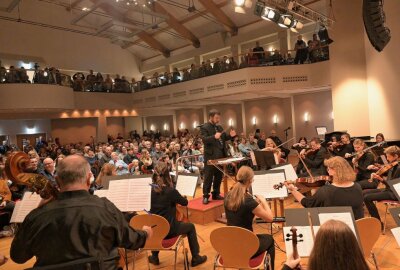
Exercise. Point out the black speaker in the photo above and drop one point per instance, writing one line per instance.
(324, 36)
(259, 8)
(374, 22)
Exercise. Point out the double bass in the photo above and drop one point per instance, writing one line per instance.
(295, 239)
(17, 169)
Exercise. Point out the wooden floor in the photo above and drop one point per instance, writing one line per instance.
(386, 249)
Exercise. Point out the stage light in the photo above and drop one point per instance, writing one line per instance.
(271, 15)
(230, 122)
(194, 124)
(182, 125)
(152, 127)
(165, 126)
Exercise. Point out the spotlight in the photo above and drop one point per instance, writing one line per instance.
(271, 15)
(285, 21)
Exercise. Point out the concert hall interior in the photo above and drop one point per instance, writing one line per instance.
(242, 133)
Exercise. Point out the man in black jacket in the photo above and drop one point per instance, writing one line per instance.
(214, 139)
(315, 159)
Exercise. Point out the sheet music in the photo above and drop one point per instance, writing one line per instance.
(186, 184)
(130, 194)
(102, 193)
(290, 173)
(263, 185)
(396, 188)
(396, 234)
(345, 217)
(29, 202)
(306, 244)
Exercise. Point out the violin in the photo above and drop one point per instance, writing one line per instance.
(295, 239)
(384, 169)
(316, 181)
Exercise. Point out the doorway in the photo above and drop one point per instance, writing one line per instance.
(32, 139)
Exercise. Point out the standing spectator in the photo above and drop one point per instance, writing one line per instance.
(90, 80)
(124, 85)
(108, 83)
(314, 49)
(232, 64)
(23, 76)
(202, 69)
(78, 81)
(144, 84)
(186, 75)
(98, 84)
(133, 85)
(154, 80)
(194, 72)
(209, 68)
(301, 50)
(117, 83)
(176, 76)
(259, 53)
(12, 76)
(217, 66)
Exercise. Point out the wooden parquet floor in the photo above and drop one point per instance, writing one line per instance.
(386, 249)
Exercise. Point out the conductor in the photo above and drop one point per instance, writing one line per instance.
(214, 139)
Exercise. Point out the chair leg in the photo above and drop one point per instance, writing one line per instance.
(126, 259)
(134, 260)
(384, 220)
(147, 258)
(374, 259)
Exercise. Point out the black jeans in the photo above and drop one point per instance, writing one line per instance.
(377, 195)
(365, 184)
(212, 176)
(266, 244)
(188, 229)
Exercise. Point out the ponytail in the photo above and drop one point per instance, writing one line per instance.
(236, 195)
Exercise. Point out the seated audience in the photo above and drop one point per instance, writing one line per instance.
(120, 165)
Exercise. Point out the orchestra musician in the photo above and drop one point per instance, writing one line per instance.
(164, 198)
(370, 196)
(241, 207)
(75, 225)
(379, 151)
(342, 192)
(270, 145)
(277, 141)
(300, 145)
(335, 247)
(344, 148)
(363, 163)
(214, 139)
(313, 159)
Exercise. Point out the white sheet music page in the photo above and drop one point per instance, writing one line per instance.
(263, 185)
(139, 194)
(186, 184)
(118, 193)
(396, 234)
(290, 173)
(304, 244)
(102, 193)
(396, 188)
(345, 217)
(29, 202)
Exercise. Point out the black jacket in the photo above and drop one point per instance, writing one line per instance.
(315, 162)
(212, 147)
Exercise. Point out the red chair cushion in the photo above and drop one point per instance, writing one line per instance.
(167, 243)
(253, 263)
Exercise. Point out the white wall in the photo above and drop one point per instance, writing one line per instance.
(19, 126)
(61, 49)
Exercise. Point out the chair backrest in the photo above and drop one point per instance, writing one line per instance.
(235, 245)
(160, 229)
(369, 230)
(80, 264)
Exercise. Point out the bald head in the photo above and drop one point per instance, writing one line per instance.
(73, 170)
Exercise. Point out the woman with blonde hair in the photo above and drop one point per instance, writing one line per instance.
(241, 207)
(334, 235)
(341, 192)
(271, 146)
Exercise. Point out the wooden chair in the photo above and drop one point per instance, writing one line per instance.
(235, 247)
(388, 203)
(369, 230)
(158, 242)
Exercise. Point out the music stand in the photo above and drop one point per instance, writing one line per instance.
(395, 212)
(394, 185)
(265, 159)
(321, 130)
(107, 179)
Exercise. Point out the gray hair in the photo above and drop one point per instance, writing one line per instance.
(73, 169)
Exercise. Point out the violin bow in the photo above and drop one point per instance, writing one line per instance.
(285, 142)
(305, 166)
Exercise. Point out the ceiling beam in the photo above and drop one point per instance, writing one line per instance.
(185, 20)
(176, 25)
(220, 16)
(87, 12)
(147, 38)
(74, 4)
